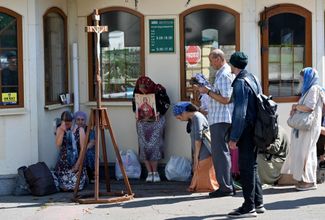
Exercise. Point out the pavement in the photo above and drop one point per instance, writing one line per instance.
(164, 200)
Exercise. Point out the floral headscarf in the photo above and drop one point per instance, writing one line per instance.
(310, 78)
(180, 107)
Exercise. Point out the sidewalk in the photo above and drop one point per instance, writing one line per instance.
(165, 200)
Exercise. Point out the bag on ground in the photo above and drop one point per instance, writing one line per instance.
(131, 165)
(22, 187)
(40, 179)
(178, 169)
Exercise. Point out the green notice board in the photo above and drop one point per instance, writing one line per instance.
(161, 35)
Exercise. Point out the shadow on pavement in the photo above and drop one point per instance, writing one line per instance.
(219, 216)
(149, 202)
(294, 204)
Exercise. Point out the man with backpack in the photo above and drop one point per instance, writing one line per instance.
(242, 136)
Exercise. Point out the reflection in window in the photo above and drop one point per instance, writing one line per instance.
(286, 53)
(10, 85)
(56, 78)
(202, 34)
(120, 54)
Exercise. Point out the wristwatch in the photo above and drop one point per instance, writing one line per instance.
(209, 91)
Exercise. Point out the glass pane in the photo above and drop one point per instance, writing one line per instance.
(8, 31)
(286, 53)
(54, 57)
(120, 54)
(9, 86)
(203, 34)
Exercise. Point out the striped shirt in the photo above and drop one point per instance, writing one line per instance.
(217, 112)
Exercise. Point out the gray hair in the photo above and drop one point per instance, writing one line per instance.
(217, 53)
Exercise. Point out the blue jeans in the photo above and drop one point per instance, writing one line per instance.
(251, 185)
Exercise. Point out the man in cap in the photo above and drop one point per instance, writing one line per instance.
(242, 136)
(219, 118)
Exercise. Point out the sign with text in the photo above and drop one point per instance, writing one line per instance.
(193, 55)
(10, 98)
(162, 32)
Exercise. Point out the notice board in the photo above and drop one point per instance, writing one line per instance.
(162, 35)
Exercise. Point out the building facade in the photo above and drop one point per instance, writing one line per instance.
(46, 54)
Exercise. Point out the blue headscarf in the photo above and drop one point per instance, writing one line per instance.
(310, 78)
(180, 107)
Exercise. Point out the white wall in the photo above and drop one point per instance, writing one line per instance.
(26, 135)
(18, 138)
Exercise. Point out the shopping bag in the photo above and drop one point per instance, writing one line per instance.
(131, 165)
(178, 169)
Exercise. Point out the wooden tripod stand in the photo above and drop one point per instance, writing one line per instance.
(99, 121)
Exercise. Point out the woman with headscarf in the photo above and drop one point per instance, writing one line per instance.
(70, 142)
(204, 179)
(301, 161)
(151, 132)
(81, 121)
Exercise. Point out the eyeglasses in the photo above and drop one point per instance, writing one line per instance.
(80, 119)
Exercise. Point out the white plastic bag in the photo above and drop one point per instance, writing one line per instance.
(131, 165)
(178, 168)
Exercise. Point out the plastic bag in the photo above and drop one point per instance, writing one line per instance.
(131, 165)
(178, 168)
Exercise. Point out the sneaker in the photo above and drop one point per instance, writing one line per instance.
(260, 209)
(218, 193)
(242, 213)
(156, 177)
(149, 177)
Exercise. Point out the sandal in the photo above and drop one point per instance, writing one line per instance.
(306, 186)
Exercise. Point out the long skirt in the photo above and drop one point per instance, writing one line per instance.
(151, 139)
(204, 179)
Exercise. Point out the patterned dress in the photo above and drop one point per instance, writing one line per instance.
(151, 139)
(66, 178)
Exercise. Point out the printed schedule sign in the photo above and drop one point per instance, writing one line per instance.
(161, 35)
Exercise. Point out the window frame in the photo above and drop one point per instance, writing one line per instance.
(91, 84)
(182, 37)
(19, 49)
(264, 16)
(66, 85)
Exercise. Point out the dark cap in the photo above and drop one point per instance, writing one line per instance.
(238, 60)
(11, 55)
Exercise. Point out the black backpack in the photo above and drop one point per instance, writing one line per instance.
(266, 125)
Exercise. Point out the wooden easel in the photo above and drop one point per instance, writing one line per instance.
(99, 121)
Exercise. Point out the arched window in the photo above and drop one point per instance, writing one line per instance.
(11, 60)
(203, 28)
(121, 53)
(286, 49)
(55, 55)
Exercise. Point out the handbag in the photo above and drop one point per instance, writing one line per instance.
(302, 120)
